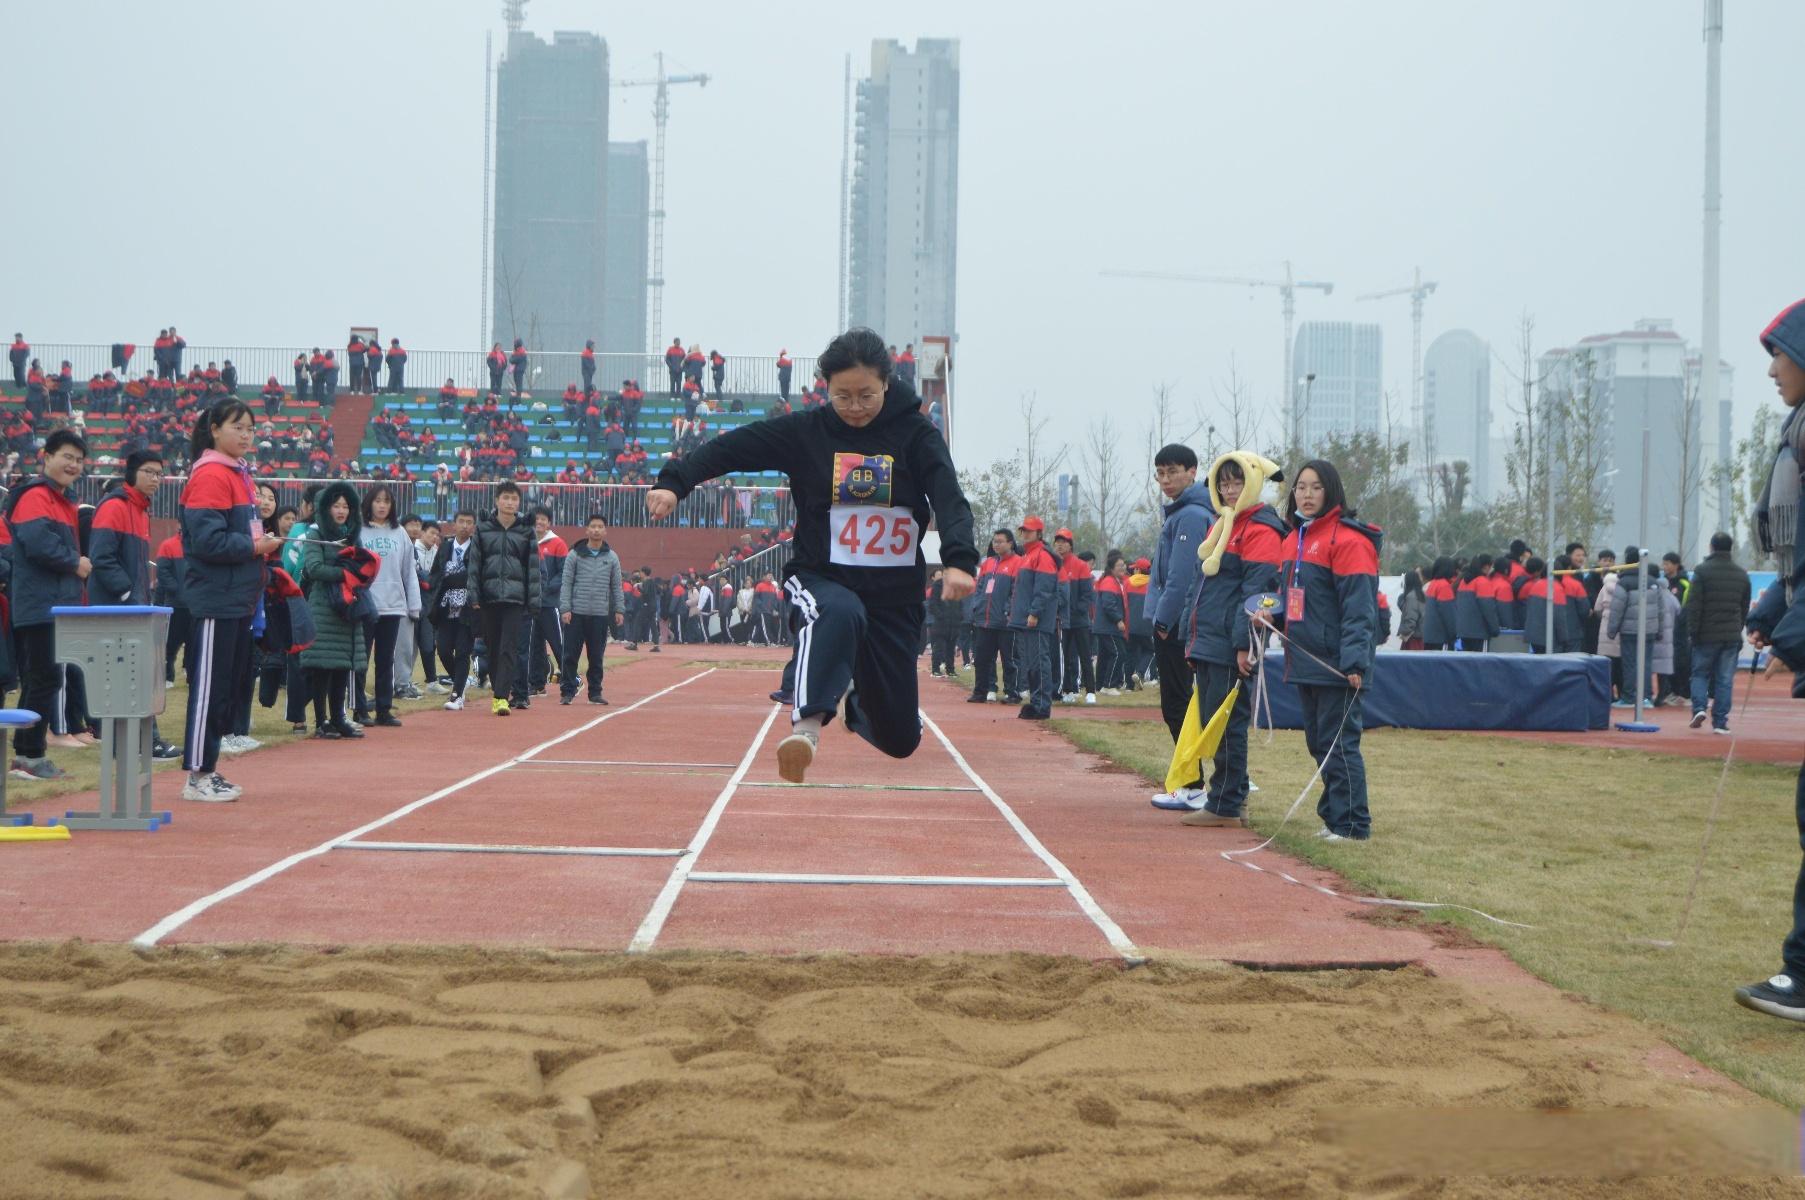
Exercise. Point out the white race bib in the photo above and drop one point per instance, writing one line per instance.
(866, 535)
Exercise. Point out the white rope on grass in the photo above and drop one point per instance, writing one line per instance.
(1233, 855)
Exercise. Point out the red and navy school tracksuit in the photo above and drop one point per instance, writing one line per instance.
(222, 579)
(1330, 573)
(1037, 596)
(1534, 594)
(863, 495)
(989, 609)
(1475, 613)
(46, 552)
(1572, 639)
(1438, 614)
(119, 548)
(1219, 628)
(1080, 588)
(1109, 617)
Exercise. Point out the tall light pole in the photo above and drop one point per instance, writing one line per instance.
(845, 190)
(482, 318)
(1710, 352)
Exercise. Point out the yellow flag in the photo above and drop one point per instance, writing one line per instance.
(1197, 741)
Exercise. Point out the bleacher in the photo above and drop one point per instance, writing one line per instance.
(546, 456)
(105, 433)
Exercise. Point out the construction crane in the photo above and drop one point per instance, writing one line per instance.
(1418, 292)
(1287, 295)
(661, 112)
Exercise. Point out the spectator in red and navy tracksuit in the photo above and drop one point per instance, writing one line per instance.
(223, 546)
(1109, 626)
(717, 366)
(1077, 678)
(1240, 561)
(119, 545)
(48, 569)
(1475, 607)
(587, 362)
(169, 595)
(673, 362)
(397, 360)
(498, 367)
(989, 607)
(1330, 576)
(1438, 605)
(1034, 616)
(354, 355)
(19, 353)
(517, 361)
(784, 367)
(1534, 592)
(1572, 639)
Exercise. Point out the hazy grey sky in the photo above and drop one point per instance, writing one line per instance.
(274, 173)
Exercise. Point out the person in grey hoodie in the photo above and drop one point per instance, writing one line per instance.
(395, 595)
(1173, 580)
(1630, 615)
(590, 604)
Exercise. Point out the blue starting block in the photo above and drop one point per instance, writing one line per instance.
(13, 718)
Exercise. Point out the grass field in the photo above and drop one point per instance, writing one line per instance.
(1595, 848)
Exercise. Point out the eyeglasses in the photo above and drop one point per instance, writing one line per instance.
(1307, 489)
(863, 400)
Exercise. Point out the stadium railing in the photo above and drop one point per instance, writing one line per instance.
(547, 371)
(709, 507)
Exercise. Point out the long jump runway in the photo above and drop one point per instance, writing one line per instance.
(660, 823)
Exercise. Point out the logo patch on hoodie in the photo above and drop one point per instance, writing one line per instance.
(862, 478)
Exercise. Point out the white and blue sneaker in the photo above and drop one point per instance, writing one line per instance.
(1182, 800)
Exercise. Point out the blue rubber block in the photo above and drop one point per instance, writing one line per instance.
(1637, 727)
(16, 820)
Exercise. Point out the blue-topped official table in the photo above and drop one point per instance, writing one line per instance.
(1446, 689)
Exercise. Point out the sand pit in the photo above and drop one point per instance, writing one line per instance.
(437, 1074)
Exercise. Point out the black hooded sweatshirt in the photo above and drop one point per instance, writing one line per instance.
(855, 491)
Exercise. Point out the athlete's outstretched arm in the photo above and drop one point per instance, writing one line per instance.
(933, 466)
(768, 445)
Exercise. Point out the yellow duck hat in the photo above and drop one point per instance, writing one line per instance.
(1256, 470)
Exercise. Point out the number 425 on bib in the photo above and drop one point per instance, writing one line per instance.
(870, 536)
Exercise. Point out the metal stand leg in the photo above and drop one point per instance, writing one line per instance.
(124, 779)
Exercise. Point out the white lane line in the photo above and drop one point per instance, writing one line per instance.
(1118, 940)
(653, 924)
(609, 762)
(182, 916)
(912, 880)
(863, 787)
(489, 848)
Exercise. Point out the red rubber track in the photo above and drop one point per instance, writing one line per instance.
(1162, 884)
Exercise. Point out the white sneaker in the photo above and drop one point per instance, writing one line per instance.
(1109, 691)
(438, 689)
(455, 704)
(1182, 800)
(1252, 787)
(1090, 697)
(795, 754)
(238, 743)
(211, 789)
(1067, 698)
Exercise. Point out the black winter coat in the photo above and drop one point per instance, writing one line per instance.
(1719, 601)
(504, 562)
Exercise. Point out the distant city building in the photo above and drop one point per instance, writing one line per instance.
(629, 215)
(905, 192)
(1347, 395)
(1457, 407)
(551, 191)
(1647, 379)
(1719, 442)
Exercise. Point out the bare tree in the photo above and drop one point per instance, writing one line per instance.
(1040, 461)
(1243, 420)
(1011, 488)
(1579, 418)
(1164, 426)
(1521, 506)
(508, 279)
(1109, 495)
(1746, 474)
